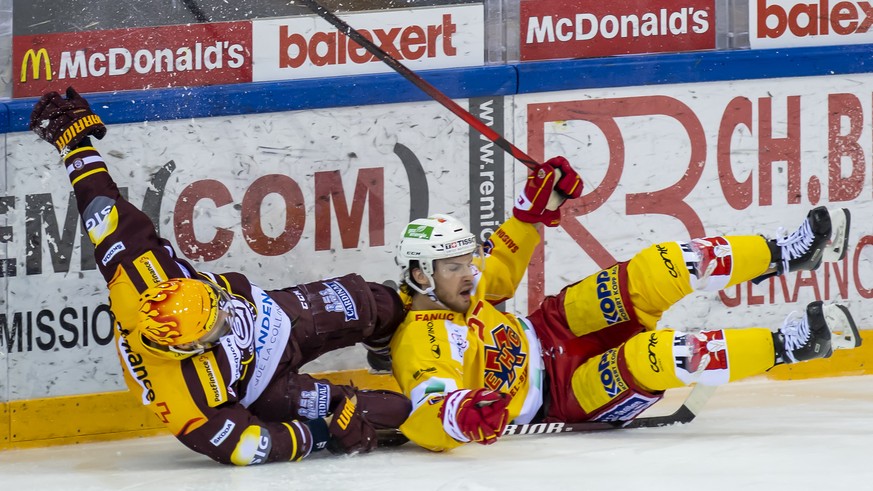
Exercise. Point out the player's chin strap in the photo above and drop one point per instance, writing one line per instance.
(430, 291)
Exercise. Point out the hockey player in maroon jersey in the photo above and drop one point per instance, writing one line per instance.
(591, 352)
(213, 355)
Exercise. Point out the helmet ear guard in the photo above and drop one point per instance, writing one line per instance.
(426, 240)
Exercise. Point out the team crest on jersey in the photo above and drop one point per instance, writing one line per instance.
(242, 326)
(502, 358)
(337, 299)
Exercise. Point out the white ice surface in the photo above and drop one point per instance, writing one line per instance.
(759, 434)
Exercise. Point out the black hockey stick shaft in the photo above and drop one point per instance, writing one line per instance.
(422, 84)
(686, 413)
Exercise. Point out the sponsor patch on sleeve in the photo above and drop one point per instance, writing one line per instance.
(223, 433)
(314, 403)
(101, 218)
(211, 379)
(150, 269)
(112, 252)
(337, 299)
(253, 447)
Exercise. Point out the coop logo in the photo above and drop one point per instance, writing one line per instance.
(807, 23)
(32, 59)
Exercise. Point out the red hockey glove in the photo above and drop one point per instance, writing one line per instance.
(357, 417)
(65, 122)
(475, 415)
(551, 183)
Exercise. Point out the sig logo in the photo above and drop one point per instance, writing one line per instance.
(263, 450)
(253, 448)
(101, 218)
(609, 296)
(33, 58)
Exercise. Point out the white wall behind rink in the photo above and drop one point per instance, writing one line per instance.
(680, 133)
(658, 128)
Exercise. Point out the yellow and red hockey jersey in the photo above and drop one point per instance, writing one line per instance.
(435, 352)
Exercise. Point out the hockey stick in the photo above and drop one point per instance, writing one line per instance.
(686, 413)
(419, 82)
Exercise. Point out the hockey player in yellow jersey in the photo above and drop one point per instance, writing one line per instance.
(592, 352)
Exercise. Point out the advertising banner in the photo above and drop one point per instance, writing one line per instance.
(245, 51)
(307, 47)
(552, 29)
(298, 196)
(286, 198)
(142, 58)
(667, 163)
(790, 23)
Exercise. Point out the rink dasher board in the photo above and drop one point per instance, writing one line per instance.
(669, 133)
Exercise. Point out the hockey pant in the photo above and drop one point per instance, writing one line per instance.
(604, 358)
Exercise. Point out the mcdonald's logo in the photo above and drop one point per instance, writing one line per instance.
(34, 58)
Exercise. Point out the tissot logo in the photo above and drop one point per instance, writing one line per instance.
(33, 58)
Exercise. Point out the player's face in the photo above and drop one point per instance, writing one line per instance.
(454, 281)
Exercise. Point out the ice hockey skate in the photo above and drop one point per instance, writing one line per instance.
(822, 237)
(379, 360)
(815, 333)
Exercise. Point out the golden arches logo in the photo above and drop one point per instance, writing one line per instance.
(34, 58)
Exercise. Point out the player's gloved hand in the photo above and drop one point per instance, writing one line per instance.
(65, 122)
(479, 415)
(356, 418)
(550, 184)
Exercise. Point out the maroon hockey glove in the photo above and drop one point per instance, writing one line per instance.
(357, 417)
(65, 122)
(479, 415)
(550, 184)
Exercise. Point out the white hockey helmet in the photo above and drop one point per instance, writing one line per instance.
(427, 239)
